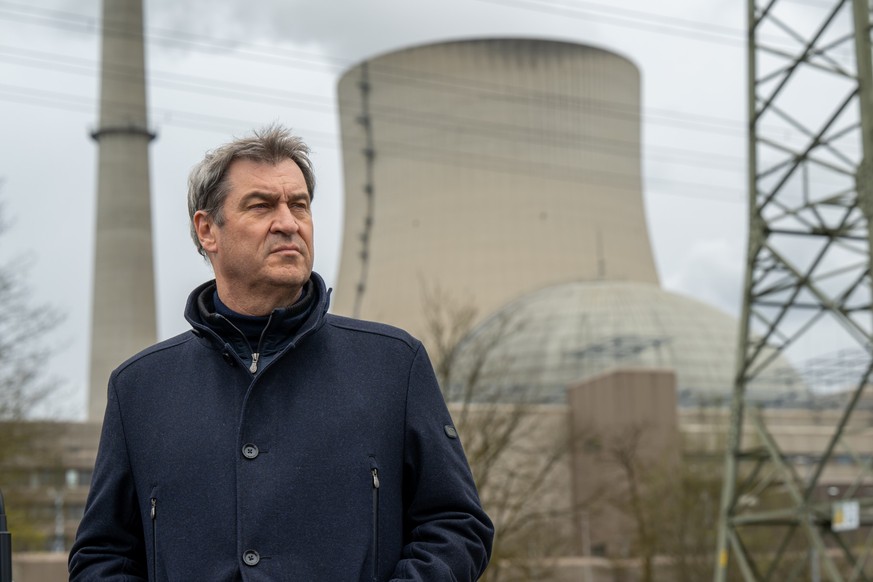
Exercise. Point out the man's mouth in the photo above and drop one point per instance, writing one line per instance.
(286, 249)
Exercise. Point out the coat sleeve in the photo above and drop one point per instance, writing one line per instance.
(109, 544)
(447, 535)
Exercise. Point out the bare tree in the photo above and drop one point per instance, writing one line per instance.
(669, 501)
(518, 450)
(663, 505)
(24, 350)
(634, 498)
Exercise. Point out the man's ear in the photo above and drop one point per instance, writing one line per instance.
(205, 228)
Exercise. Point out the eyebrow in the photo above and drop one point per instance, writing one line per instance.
(299, 196)
(271, 197)
(259, 196)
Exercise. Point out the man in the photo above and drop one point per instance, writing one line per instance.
(274, 441)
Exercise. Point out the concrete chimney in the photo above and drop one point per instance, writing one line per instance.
(123, 309)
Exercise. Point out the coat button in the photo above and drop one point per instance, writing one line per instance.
(250, 451)
(251, 558)
(228, 358)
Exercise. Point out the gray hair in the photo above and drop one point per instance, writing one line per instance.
(208, 186)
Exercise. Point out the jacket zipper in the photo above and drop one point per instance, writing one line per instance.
(153, 513)
(375, 472)
(256, 353)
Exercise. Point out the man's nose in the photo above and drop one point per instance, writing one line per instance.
(284, 220)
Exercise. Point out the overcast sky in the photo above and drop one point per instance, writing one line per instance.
(218, 69)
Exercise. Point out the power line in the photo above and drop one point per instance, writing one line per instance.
(307, 60)
(648, 21)
(239, 91)
(489, 129)
(561, 139)
(271, 95)
(595, 12)
(81, 23)
(629, 18)
(192, 83)
(622, 17)
(415, 77)
(556, 172)
(396, 114)
(64, 63)
(175, 117)
(394, 148)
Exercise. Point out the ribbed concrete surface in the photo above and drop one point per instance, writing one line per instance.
(500, 167)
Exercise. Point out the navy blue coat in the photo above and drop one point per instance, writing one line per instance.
(336, 461)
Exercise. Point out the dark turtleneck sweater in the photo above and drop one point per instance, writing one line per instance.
(256, 338)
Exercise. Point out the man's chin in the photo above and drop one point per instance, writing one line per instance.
(293, 279)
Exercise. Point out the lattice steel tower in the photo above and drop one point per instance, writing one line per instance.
(807, 291)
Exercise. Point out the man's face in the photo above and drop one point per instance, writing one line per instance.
(265, 244)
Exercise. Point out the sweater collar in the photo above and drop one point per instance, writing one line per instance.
(286, 326)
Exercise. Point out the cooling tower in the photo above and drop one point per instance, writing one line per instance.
(487, 169)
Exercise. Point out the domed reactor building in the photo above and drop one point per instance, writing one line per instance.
(499, 180)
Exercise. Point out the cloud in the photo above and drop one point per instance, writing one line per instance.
(712, 271)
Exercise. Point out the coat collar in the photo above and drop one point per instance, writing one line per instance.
(199, 307)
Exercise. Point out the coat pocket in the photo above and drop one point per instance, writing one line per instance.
(153, 515)
(374, 477)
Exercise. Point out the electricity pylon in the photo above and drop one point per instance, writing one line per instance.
(807, 290)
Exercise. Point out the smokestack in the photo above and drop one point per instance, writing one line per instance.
(123, 309)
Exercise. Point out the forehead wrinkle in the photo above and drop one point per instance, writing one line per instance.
(248, 176)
